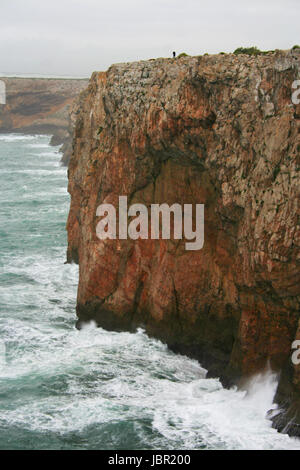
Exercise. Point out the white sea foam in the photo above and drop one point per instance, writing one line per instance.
(39, 146)
(55, 379)
(113, 375)
(17, 138)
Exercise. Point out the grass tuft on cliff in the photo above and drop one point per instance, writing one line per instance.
(182, 54)
(249, 51)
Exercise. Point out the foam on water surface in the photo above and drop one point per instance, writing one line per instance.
(93, 389)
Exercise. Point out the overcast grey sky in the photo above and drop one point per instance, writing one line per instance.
(76, 37)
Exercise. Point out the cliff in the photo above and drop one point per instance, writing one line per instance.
(219, 130)
(41, 106)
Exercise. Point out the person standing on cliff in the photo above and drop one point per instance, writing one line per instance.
(174, 54)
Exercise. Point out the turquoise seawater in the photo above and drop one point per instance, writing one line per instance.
(66, 389)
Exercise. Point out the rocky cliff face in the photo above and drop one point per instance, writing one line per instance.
(219, 130)
(42, 106)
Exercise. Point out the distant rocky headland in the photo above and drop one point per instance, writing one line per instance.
(221, 130)
(41, 106)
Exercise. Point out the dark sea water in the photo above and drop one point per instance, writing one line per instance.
(65, 389)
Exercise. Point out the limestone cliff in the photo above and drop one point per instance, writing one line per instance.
(220, 130)
(42, 106)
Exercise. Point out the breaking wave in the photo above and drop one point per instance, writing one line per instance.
(92, 389)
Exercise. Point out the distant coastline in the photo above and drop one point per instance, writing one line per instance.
(42, 76)
(41, 105)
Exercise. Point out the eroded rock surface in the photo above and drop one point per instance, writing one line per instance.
(219, 130)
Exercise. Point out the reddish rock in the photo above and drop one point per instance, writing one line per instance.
(218, 130)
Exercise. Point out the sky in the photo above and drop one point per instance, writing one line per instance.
(77, 37)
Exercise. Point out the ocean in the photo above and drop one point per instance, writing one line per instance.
(61, 388)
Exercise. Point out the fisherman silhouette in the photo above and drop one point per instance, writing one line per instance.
(174, 54)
